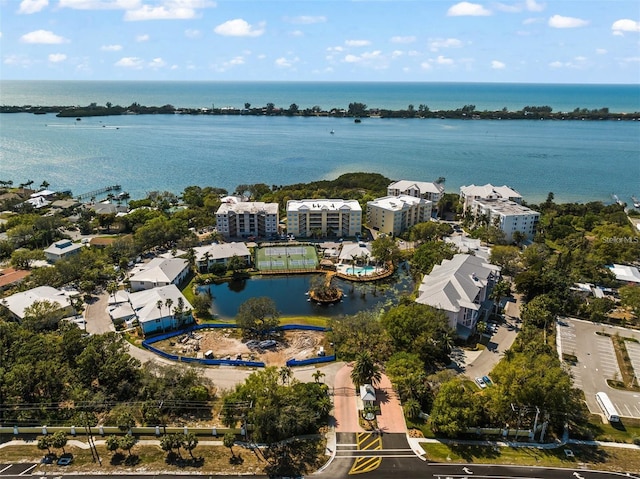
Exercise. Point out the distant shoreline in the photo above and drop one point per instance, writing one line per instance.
(357, 111)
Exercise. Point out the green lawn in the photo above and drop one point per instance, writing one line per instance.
(602, 458)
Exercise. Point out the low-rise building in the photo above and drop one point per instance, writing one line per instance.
(207, 256)
(459, 287)
(326, 217)
(426, 190)
(507, 215)
(394, 214)
(468, 194)
(157, 310)
(158, 272)
(19, 302)
(61, 250)
(244, 219)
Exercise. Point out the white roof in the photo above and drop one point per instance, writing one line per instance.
(504, 206)
(323, 204)
(628, 274)
(489, 191)
(17, 303)
(63, 247)
(144, 304)
(221, 251)
(252, 207)
(422, 186)
(159, 270)
(42, 193)
(455, 283)
(397, 203)
(463, 243)
(351, 249)
(367, 392)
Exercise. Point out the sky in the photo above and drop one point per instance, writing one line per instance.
(525, 41)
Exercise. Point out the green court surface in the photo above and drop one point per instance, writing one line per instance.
(286, 258)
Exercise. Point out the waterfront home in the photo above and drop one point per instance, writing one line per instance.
(325, 217)
(247, 219)
(507, 215)
(157, 309)
(625, 273)
(207, 256)
(419, 189)
(62, 249)
(460, 287)
(395, 214)
(158, 272)
(19, 302)
(473, 192)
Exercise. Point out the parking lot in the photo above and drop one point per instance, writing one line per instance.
(17, 469)
(596, 362)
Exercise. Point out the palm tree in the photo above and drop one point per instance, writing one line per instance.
(500, 290)
(44, 185)
(354, 260)
(285, 374)
(318, 375)
(365, 370)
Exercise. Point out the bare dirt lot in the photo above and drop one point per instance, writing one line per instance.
(228, 343)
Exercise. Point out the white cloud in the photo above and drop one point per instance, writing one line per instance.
(335, 49)
(357, 43)
(191, 33)
(283, 62)
(464, 9)
(436, 44)
(32, 6)
(426, 66)
(625, 25)
(297, 33)
(498, 65)
(17, 60)
(397, 53)
(43, 36)
(57, 57)
(529, 21)
(142, 38)
(111, 48)
(407, 39)
(306, 19)
(239, 28)
(556, 64)
(352, 58)
(533, 6)
(441, 60)
(130, 62)
(558, 21)
(174, 67)
(157, 63)
(100, 4)
(601, 51)
(147, 12)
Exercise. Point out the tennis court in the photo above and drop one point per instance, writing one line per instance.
(283, 258)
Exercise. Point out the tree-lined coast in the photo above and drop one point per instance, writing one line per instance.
(355, 110)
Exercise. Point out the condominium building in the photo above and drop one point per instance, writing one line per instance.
(507, 215)
(420, 189)
(394, 214)
(468, 194)
(459, 287)
(247, 218)
(329, 217)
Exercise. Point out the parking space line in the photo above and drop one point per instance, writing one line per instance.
(28, 470)
(2, 470)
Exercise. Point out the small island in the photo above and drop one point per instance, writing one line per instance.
(356, 110)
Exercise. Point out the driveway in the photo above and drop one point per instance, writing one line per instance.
(96, 316)
(391, 417)
(345, 402)
(480, 363)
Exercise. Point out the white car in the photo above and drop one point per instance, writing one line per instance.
(480, 382)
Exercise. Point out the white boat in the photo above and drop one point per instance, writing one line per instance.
(332, 132)
(636, 202)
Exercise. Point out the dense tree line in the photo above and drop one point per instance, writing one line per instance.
(57, 375)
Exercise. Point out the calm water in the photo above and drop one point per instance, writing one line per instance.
(327, 95)
(288, 292)
(578, 161)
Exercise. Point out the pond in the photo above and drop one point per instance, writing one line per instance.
(289, 292)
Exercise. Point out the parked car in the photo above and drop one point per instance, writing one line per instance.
(487, 381)
(480, 382)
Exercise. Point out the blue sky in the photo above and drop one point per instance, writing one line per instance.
(557, 41)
